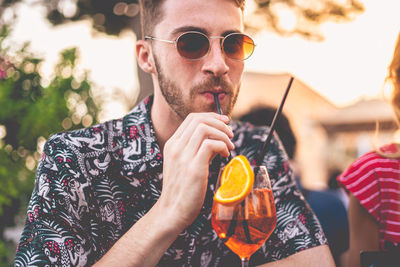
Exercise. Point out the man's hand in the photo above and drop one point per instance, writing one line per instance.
(187, 156)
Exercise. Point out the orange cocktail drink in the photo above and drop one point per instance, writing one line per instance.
(244, 221)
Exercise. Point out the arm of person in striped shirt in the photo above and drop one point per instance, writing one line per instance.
(364, 232)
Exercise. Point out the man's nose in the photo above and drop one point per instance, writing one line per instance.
(215, 61)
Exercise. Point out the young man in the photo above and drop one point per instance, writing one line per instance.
(105, 202)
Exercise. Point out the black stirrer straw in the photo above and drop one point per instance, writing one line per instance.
(218, 159)
(217, 104)
(272, 127)
(233, 223)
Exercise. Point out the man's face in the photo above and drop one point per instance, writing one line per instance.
(189, 85)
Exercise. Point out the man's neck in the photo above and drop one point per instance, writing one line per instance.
(165, 120)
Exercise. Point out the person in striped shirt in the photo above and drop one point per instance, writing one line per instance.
(373, 183)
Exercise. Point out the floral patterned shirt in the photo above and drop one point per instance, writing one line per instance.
(93, 184)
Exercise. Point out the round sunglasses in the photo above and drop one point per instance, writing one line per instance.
(195, 45)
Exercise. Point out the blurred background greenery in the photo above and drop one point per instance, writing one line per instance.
(34, 106)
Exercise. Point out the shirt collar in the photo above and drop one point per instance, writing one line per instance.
(140, 150)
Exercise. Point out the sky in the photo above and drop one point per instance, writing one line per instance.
(349, 64)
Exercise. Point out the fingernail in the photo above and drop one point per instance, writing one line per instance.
(233, 145)
(231, 135)
(225, 118)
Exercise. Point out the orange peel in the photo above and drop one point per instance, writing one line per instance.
(236, 180)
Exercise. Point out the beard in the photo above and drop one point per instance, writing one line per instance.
(174, 97)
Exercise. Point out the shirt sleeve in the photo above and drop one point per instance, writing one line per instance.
(55, 232)
(361, 180)
(297, 226)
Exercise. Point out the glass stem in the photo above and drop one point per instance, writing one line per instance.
(245, 262)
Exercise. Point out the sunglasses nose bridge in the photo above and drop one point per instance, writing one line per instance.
(221, 41)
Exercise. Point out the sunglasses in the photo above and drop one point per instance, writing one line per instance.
(195, 45)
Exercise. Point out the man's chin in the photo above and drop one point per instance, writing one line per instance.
(204, 108)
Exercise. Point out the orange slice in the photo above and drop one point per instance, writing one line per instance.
(236, 181)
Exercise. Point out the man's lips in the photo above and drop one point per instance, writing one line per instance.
(210, 94)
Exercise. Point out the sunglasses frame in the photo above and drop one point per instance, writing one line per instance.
(223, 38)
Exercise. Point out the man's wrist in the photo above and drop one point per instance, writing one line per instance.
(171, 214)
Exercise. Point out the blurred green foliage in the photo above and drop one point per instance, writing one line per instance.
(33, 107)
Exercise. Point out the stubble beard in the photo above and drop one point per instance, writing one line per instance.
(175, 99)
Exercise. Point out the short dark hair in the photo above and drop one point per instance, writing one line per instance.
(151, 14)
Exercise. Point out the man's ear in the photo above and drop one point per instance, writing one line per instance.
(144, 56)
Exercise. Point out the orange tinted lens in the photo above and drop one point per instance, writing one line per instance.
(193, 45)
(238, 46)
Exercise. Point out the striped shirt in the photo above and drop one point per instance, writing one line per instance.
(375, 181)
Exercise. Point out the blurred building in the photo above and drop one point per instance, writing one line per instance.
(356, 129)
(328, 137)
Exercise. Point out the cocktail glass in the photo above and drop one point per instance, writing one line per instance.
(245, 226)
